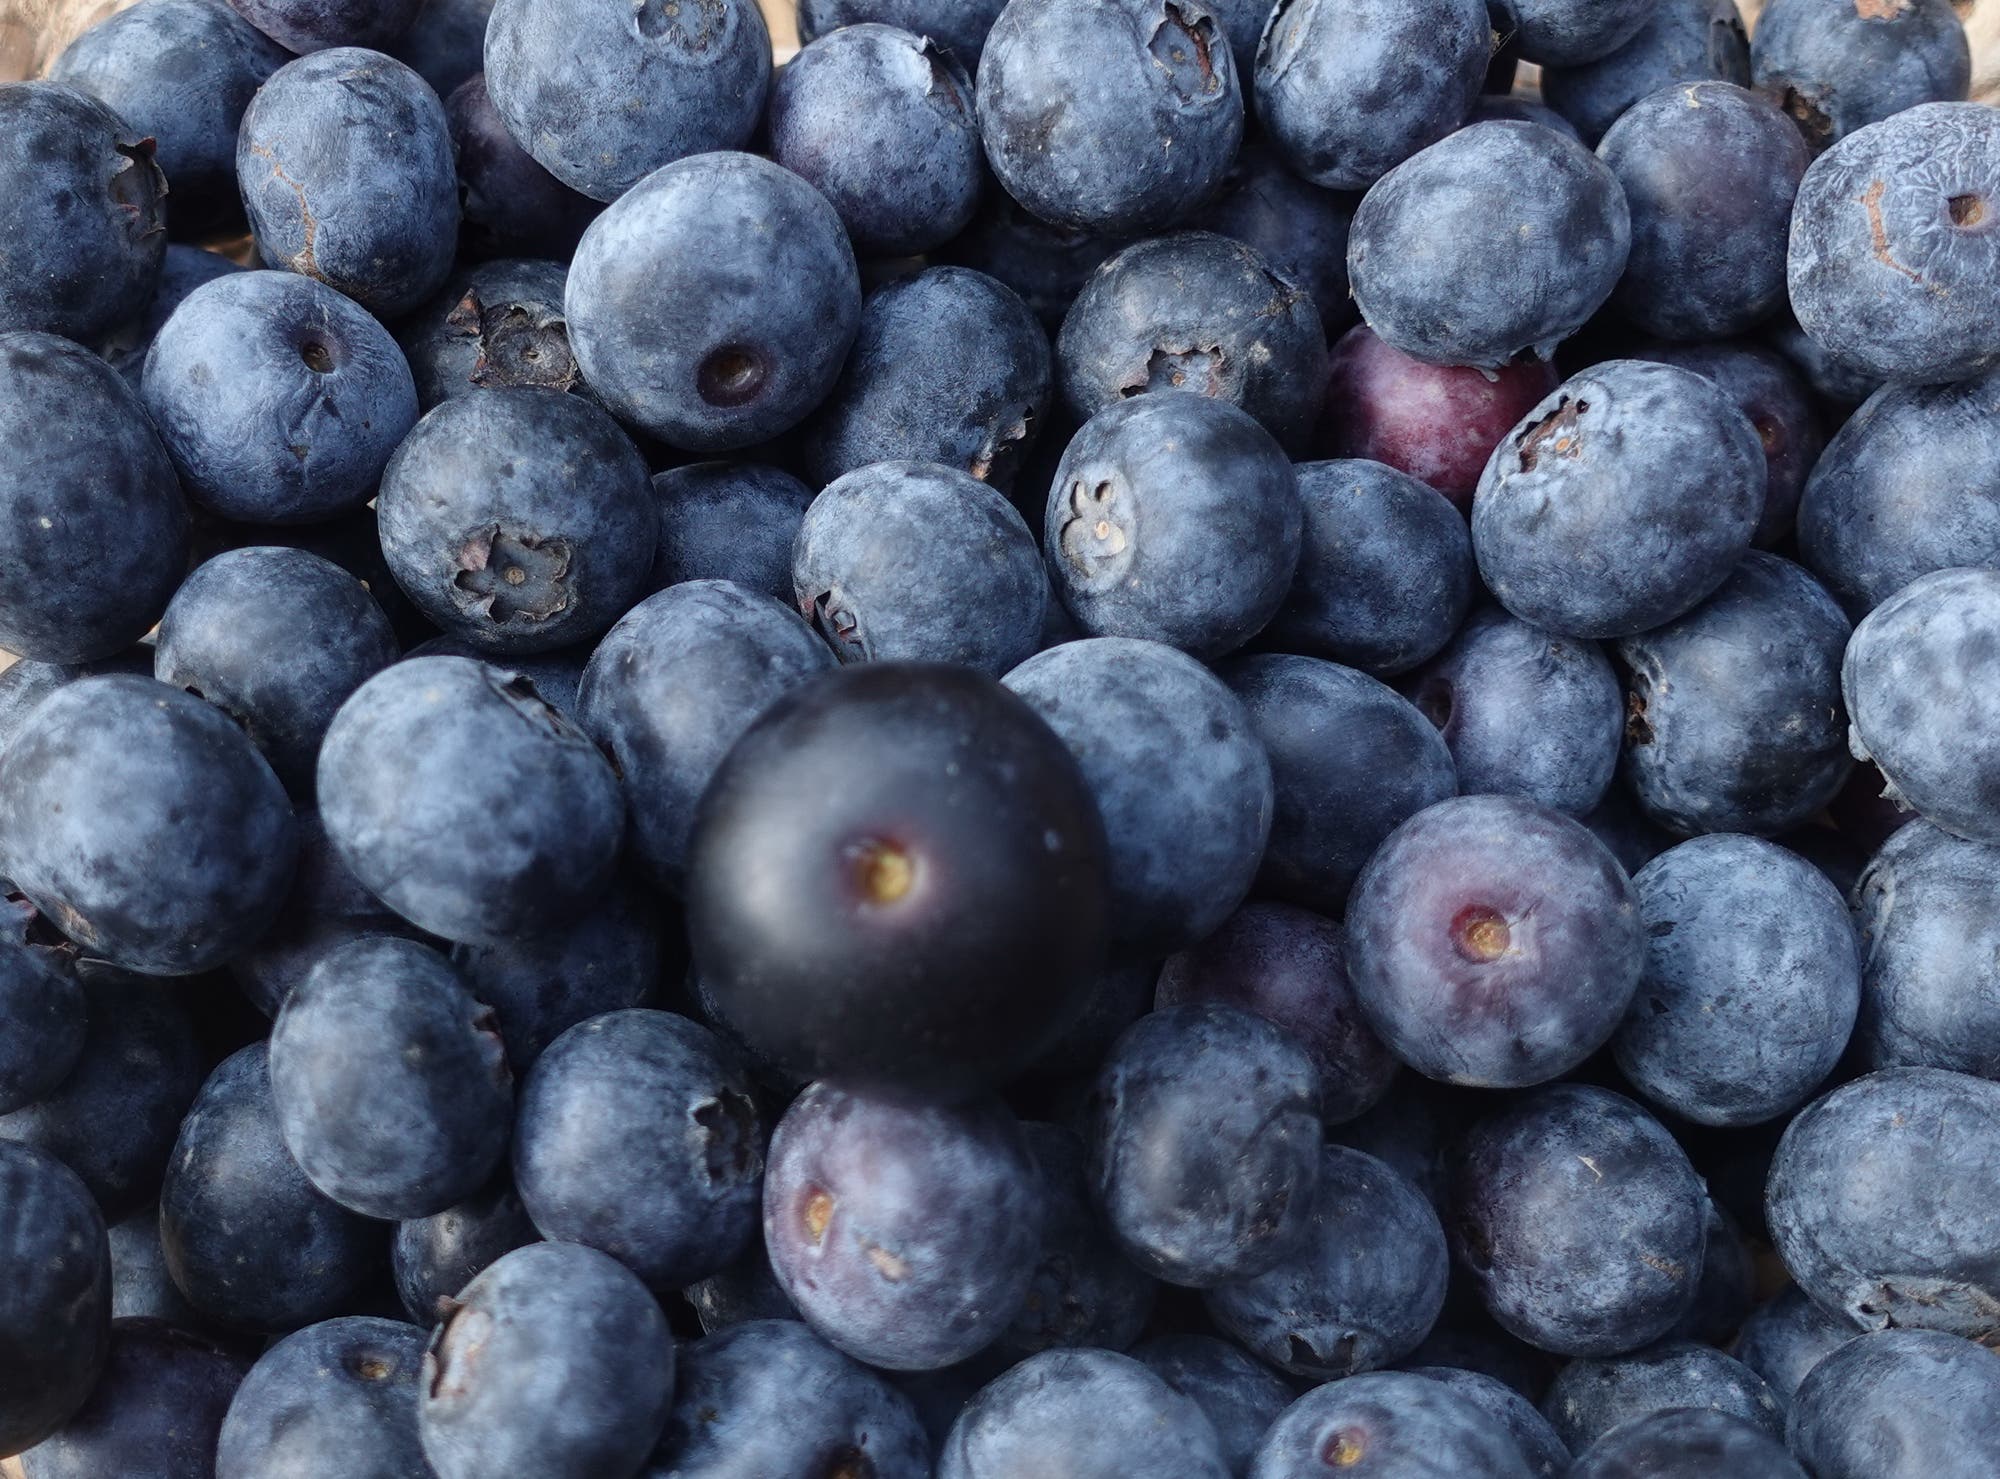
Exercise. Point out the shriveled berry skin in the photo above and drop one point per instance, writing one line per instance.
(1847, 1173)
(714, 303)
(248, 1240)
(1524, 713)
(905, 1234)
(392, 1090)
(638, 1135)
(1077, 98)
(344, 161)
(1179, 777)
(1787, 1336)
(1837, 67)
(46, 1017)
(1350, 761)
(732, 521)
(435, 1257)
(1709, 170)
(897, 876)
(1081, 1412)
(1361, 1291)
(94, 534)
(1579, 1220)
(156, 1410)
(1438, 423)
(1910, 484)
(601, 98)
(1200, 313)
(519, 520)
(916, 562)
(770, 1397)
(1680, 41)
(1350, 90)
(556, 1361)
(1205, 1143)
(1751, 984)
(1899, 1404)
(494, 325)
(1499, 239)
(466, 803)
(1240, 1396)
(94, 825)
(1590, 1398)
(1620, 502)
(339, 1396)
(1547, 1455)
(82, 213)
(1173, 517)
(227, 378)
(1390, 1423)
(277, 639)
(1914, 681)
(509, 205)
(1687, 1443)
(1296, 227)
(1085, 1291)
(1493, 942)
(958, 25)
(55, 1306)
(880, 121)
(1895, 251)
(113, 1118)
(1385, 569)
(1734, 716)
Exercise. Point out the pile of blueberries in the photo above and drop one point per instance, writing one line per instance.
(1090, 739)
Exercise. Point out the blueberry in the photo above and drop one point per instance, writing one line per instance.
(1112, 118)
(510, 205)
(1787, 1336)
(1084, 1291)
(1560, 33)
(248, 1240)
(83, 226)
(1499, 239)
(746, 1290)
(897, 875)
(732, 521)
(1687, 1443)
(713, 304)
(1081, 1412)
(1709, 171)
(1044, 265)
(1289, 966)
(494, 325)
(314, 25)
(1239, 1395)
(47, 1022)
(554, 1361)
(1620, 502)
(56, 1304)
(1438, 423)
(914, 562)
(1679, 41)
(1493, 942)
(1524, 713)
(374, 214)
(435, 1257)
(1388, 1423)
(519, 520)
(602, 98)
(156, 1410)
(948, 366)
(279, 399)
(907, 1235)
(1349, 91)
(958, 25)
(881, 122)
(339, 1395)
(1590, 1398)
(1547, 1455)
(1847, 1175)
(141, 1288)
(1919, 706)
(444, 42)
(1899, 1404)
(1837, 67)
(1350, 760)
(1512, 108)
(1840, 385)
(113, 1117)
(466, 803)
(1579, 1220)
(1895, 260)
(1751, 982)
(182, 270)
(770, 1397)
(1180, 779)
(96, 825)
(1483, 1348)
(1296, 227)
(1174, 517)
(1385, 569)
(95, 533)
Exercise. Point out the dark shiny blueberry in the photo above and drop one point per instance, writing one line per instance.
(55, 1308)
(1391, 1423)
(1680, 41)
(509, 205)
(1899, 1404)
(339, 1395)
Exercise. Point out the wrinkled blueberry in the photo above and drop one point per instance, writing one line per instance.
(494, 325)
